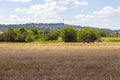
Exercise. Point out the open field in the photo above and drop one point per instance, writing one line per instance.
(110, 39)
(62, 61)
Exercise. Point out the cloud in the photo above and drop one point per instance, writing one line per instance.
(50, 9)
(22, 1)
(84, 17)
(106, 11)
(1, 16)
(13, 19)
(13, 16)
(100, 18)
(66, 2)
(98, 15)
(47, 12)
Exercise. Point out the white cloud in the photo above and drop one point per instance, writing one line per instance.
(106, 11)
(47, 12)
(13, 19)
(1, 16)
(83, 17)
(23, 1)
(101, 18)
(66, 2)
(50, 9)
(13, 16)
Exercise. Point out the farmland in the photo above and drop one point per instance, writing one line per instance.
(110, 39)
(60, 61)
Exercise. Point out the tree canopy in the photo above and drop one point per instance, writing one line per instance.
(88, 35)
(69, 34)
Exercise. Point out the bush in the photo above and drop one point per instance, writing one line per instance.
(88, 35)
(53, 35)
(9, 35)
(21, 34)
(102, 33)
(41, 33)
(2, 36)
(69, 34)
(30, 37)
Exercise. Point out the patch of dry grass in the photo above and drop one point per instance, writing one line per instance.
(65, 61)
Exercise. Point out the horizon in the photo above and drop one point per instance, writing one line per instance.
(98, 14)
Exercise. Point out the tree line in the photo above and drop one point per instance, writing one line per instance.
(67, 34)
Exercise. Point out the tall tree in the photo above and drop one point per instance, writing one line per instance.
(21, 34)
(102, 33)
(30, 37)
(69, 34)
(88, 35)
(10, 35)
(53, 35)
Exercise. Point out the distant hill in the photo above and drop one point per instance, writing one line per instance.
(41, 26)
(48, 26)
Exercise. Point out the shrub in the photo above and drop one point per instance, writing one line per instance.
(69, 34)
(2, 36)
(88, 35)
(21, 34)
(30, 37)
(53, 35)
(9, 35)
(102, 33)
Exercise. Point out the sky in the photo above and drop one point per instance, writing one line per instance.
(94, 13)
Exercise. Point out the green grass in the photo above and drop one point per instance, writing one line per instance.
(50, 41)
(110, 39)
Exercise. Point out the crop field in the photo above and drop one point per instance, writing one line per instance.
(60, 61)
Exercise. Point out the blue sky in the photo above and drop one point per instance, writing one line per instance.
(94, 13)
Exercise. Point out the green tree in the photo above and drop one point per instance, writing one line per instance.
(21, 34)
(30, 37)
(41, 34)
(21, 30)
(35, 31)
(69, 34)
(102, 33)
(10, 35)
(2, 36)
(53, 35)
(88, 35)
